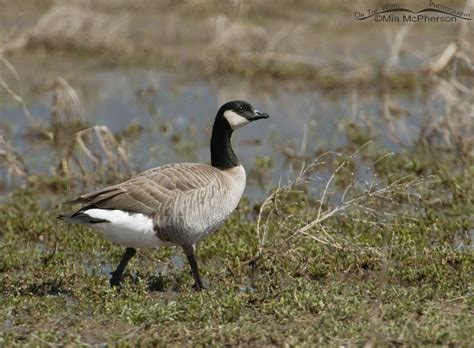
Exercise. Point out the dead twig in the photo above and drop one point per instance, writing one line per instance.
(359, 200)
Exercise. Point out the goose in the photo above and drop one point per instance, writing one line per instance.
(174, 204)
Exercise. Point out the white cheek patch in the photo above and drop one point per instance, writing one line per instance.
(235, 121)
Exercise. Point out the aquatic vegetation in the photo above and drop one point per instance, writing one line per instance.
(382, 255)
(11, 160)
(390, 264)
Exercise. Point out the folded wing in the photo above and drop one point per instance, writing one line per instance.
(148, 192)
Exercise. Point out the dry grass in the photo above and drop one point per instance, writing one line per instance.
(245, 48)
(451, 129)
(454, 128)
(17, 98)
(78, 147)
(252, 39)
(12, 161)
(114, 156)
(370, 201)
(67, 118)
(75, 28)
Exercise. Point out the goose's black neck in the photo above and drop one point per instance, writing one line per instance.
(222, 155)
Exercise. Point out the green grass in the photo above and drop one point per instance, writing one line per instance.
(398, 282)
(390, 273)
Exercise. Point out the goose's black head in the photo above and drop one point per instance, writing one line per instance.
(231, 115)
(238, 113)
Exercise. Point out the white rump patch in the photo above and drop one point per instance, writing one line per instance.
(235, 120)
(130, 229)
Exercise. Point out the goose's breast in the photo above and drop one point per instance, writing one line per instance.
(206, 210)
(225, 199)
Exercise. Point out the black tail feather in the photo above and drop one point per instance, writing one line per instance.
(81, 218)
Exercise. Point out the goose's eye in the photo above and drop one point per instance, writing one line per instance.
(241, 108)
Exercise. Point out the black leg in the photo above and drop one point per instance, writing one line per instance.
(117, 274)
(190, 254)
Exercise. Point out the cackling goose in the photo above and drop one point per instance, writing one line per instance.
(175, 204)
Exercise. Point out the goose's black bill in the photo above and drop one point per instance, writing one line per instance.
(257, 115)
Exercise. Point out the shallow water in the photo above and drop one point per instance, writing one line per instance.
(176, 111)
(177, 115)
